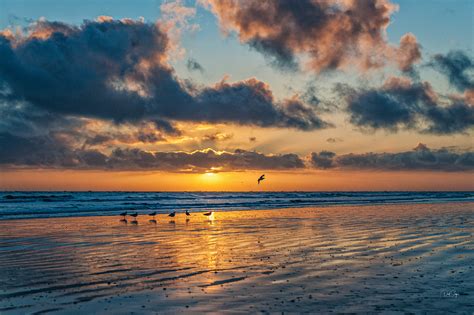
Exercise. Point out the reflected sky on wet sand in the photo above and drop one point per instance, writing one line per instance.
(344, 259)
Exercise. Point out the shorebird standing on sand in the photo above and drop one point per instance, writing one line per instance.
(134, 215)
(209, 215)
(187, 213)
(123, 214)
(260, 179)
(172, 214)
(153, 216)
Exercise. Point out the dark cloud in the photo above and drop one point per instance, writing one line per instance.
(117, 70)
(200, 161)
(193, 65)
(217, 136)
(420, 158)
(252, 102)
(35, 151)
(458, 68)
(399, 103)
(322, 159)
(332, 35)
(48, 152)
(143, 135)
(55, 152)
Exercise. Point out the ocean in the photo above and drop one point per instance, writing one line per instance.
(23, 205)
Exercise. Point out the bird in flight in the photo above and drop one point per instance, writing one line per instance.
(260, 179)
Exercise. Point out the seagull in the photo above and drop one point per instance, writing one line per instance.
(187, 213)
(208, 213)
(123, 214)
(260, 179)
(172, 214)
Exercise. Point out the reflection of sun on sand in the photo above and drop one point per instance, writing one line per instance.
(338, 259)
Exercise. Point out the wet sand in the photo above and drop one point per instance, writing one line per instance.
(396, 258)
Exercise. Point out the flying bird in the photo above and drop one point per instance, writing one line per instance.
(172, 214)
(260, 179)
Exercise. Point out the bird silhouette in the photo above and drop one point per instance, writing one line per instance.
(123, 214)
(260, 179)
(208, 213)
(152, 214)
(134, 215)
(187, 213)
(172, 214)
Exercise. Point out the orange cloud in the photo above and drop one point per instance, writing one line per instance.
(333, 35)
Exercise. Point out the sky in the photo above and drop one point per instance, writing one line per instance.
(210, 94)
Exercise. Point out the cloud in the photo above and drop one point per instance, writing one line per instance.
(457, 66)
(204, 160)
(334, 140)
(175, 19)
(117, 70)
(55, 152)
(110, 138)
(217, 136)
(50, 152)
(332, 35)
(252, 102)
(193, 65)
(402, 104)
(421, 158)
(323, 159)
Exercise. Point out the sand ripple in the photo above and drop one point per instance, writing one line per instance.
(399, 258)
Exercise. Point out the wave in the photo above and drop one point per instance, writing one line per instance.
(64, 204)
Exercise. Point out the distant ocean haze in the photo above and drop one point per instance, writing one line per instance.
(20, 205)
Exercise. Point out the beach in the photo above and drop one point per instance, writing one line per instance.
(399, 258)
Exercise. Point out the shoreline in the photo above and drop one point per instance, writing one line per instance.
(202, 210)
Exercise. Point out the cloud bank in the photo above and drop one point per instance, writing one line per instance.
(421, 158)
(54, 152)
